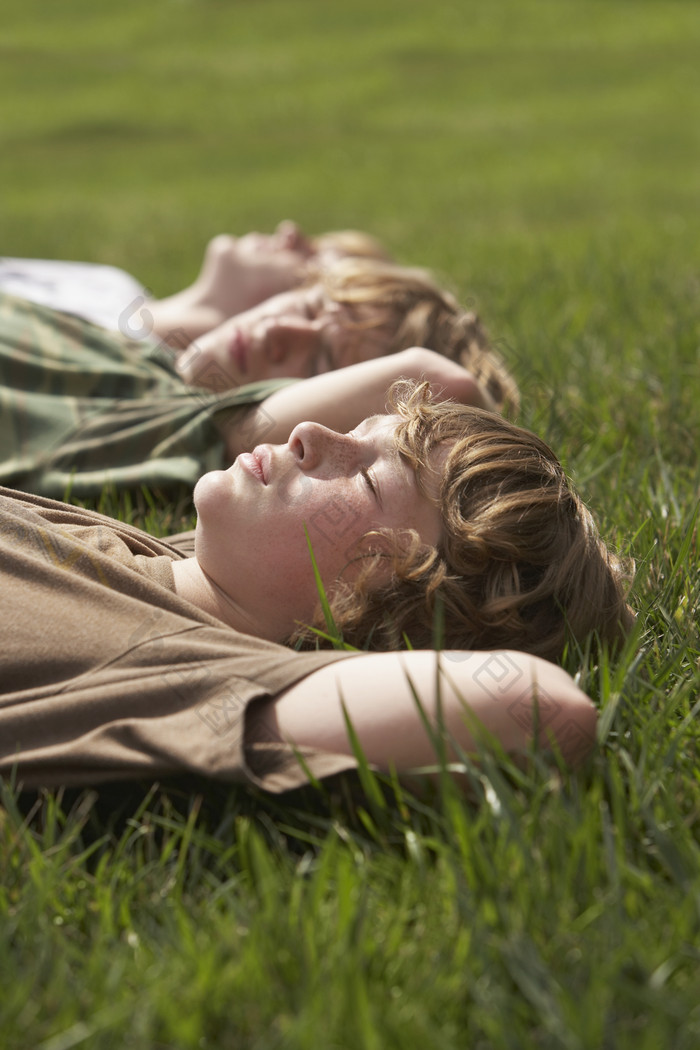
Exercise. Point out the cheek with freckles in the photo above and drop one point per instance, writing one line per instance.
(336, 531)
(335, 516)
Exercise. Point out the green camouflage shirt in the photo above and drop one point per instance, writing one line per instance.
(82, 407)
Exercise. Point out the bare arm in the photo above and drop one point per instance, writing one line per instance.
(506, 692)
(342, 399)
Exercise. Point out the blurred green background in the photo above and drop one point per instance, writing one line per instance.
(467, 135)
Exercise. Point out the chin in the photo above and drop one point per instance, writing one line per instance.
(209, 485)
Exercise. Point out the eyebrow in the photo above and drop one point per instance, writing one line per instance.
(373, 419)
(377, 418)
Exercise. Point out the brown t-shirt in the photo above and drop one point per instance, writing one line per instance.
(106, 673)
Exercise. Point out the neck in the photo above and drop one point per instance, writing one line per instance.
(193, 584)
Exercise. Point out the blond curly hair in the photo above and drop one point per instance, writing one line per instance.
(520, 564)
(336, 244)
(415, 311)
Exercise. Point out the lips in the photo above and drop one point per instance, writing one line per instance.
(264, 457)
(256, 463)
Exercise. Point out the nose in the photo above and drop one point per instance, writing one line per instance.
(293, 343)
(314, 445)
(292, 237)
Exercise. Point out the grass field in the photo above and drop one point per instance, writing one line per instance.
(544, 157)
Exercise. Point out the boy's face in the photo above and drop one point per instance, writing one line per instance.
(297, 334)
(250, 538)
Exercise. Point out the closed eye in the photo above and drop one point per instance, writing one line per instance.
(372, 485)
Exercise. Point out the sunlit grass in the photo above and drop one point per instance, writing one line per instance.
(544, 155)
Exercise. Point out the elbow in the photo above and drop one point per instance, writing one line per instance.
(417, 362)
(448, 380)
(573, 733)
(564, 718)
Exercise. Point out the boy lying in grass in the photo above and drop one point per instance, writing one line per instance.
(236, 274)
(84, 406)
(124, 658)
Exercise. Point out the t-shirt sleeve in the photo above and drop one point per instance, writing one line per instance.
(173, 702)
